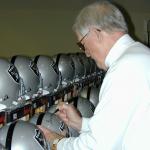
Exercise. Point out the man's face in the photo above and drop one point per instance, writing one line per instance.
(91, 44)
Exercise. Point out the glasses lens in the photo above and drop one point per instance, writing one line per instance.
(81, 46)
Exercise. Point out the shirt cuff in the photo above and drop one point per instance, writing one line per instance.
(85, 125)
(65, 142)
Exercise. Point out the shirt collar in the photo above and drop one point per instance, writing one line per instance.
(118, 49)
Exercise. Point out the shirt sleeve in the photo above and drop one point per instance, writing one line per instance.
(119, 98)
(84, 141)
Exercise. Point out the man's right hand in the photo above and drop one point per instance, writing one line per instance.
(70, 115)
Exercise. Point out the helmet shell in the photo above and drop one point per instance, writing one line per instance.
(22, 135)
(84, 92)
(85, 107)
(50, 121)
(94, 95)
(28, 72)
(52, 108)
(49, 72)
(86, 63)
(71, 132)
(66, 68)
(9, 83)
(79, 66)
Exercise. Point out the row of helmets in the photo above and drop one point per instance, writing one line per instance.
(13, 137)
(85, 103)
(24, 77)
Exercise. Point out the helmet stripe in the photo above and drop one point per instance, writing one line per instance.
(10, 135)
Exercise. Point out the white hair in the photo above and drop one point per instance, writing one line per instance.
(102, 15)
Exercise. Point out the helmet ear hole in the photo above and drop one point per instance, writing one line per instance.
(9, 86)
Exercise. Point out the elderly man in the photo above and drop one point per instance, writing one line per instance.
(121, 120)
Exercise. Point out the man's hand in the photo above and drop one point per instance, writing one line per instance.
(50, 135)
(70, 115)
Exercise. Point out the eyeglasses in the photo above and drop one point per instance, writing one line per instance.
(81, 46)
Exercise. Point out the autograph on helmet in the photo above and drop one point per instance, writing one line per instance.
(40, 139)
(13, 73)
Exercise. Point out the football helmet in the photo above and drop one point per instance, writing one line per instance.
(49, 73)
(29, 74)
(50, 121)
(22, 135)
(66, 68)
(9, 84)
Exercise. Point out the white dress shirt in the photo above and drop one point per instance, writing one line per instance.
(121, 120)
